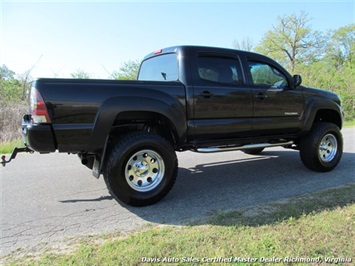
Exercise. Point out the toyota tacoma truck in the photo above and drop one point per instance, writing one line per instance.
(195, 98)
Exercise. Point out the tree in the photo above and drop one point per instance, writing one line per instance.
(10, 87)
(246, 44)
(6, 73)
(128, 71)
(12, 106)
(341, 48)
(80, 74)
(292, 41)
(335, 70)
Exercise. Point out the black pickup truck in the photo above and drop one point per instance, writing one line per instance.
(195, 98)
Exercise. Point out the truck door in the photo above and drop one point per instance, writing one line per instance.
(222, 104)
(277, 107)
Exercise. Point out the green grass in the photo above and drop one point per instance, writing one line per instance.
(350, 123)
(318, 226)
(8, 147)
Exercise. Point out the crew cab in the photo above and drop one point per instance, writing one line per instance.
(195, 98)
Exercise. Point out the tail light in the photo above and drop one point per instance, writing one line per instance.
(159, 51)
(38, 108)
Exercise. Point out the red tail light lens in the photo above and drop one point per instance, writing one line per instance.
(159, 51)
(38, 108)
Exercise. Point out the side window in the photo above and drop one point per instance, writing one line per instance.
(219, 69)
(264, 74)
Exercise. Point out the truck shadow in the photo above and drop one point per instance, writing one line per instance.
(224, 186)
(87, 200)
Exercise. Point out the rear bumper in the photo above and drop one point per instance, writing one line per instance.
(38, 137)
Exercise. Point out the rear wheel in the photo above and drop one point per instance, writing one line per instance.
(322, 148)
(141, 169)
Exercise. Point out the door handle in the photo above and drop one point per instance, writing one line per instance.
(261, 96)
(206, 94)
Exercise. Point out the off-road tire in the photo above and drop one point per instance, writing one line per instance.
(141, 169)
(322, 148)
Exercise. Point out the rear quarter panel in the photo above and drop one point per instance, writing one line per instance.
(75, 106)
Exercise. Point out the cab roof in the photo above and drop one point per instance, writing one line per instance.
(185, 48)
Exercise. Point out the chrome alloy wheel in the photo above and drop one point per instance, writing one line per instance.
(144, 170)
(328, 148)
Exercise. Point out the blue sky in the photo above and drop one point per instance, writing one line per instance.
(98, 37)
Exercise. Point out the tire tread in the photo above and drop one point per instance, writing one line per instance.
(114, 156)
(309, 147)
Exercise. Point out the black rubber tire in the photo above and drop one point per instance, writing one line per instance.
(114, 170)
(310, 147)
(253, 151)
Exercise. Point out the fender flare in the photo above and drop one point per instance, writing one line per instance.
(168, 107)
(313, 105)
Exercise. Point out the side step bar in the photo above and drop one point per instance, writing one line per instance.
(244, 147)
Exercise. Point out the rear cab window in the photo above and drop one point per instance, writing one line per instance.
(160, 68)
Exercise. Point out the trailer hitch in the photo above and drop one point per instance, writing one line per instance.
(13, 155)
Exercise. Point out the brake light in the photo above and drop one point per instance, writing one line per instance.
(38, 108)
(159, 51)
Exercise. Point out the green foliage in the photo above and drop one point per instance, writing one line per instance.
(12, 104)
(80, 74)
(341, 48)
(6, 73)
(10, 90)
(349, 123)
(8, 146)
(325, 61)
(335, 72)
(339, 80)
(292, 41)
(129, 71)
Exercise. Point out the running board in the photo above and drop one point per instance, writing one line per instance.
(244, 147)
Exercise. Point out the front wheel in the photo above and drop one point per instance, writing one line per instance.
(141, 169)
(322, 148)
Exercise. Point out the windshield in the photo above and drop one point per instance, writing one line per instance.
(160, 68)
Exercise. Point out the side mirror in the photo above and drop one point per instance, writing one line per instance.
(297, 80)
